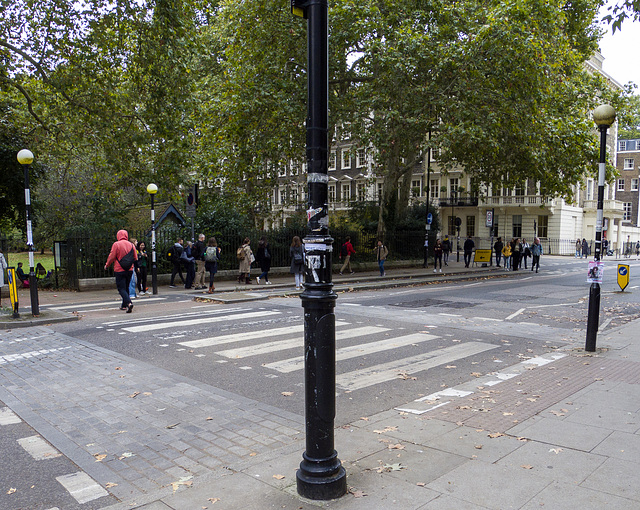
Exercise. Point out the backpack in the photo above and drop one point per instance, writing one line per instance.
(211, 255)
(297, 257)
(174, 253)
(343, 250)
(127, 261)
(240, 253)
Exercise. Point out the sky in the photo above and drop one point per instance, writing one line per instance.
(620, 52)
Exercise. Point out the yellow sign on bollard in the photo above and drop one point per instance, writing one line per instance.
(13, 290)
(623, 276)
(482, 256)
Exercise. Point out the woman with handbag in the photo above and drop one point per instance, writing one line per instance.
(296, 252)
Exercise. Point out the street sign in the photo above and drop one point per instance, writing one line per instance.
(429, 219)
(596, 271)
(623, 276)
(489, 219)
(190, 210)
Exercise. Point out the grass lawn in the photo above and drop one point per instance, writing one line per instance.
(46, 260)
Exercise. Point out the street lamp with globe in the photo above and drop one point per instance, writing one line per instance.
(25, 158)
(152, 189)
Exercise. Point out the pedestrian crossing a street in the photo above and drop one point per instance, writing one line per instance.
(277, 349)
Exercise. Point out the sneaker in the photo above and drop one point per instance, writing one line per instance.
(130, 308)
(340, 274)
(441, 270)
(258, 280)
(353, 272)
(172, 286)
(268, 282)
(435, 270)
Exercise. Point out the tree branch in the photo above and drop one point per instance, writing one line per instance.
(26, 95)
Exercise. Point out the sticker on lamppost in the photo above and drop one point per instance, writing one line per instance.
(596, 271)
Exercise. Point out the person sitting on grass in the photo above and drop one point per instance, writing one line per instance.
(24, 278)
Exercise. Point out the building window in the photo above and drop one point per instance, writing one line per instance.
(283, 196)
(626, 215)
(622, 145)
(453, 184)
(361, 158)
(519, 195)
(634, 184)
(332, 160)
(434, 189)
(416, 188)
(295, 168)
(543, 226)
(516, 223)
(471, 226)
(332, 193)
(346, 159)
(379, 191)
(346, 192)
(345, 131)
(628, 164)
(589, 189)
(620, 184)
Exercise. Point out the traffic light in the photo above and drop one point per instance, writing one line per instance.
(299, 8)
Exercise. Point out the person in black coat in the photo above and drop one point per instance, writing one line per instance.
(468, 251)
(263, 258)
(497, 247)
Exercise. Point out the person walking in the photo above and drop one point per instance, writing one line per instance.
(176, 254)
(637, 249)
(133, 284)
(346, 251)
(3, 268)
(497, 247)
(381, 255)
(526, 252)
(585, 248)
(516, 252)
(536, 251)
(123, 255)
(263, 258)
(142, 267)
(578, 249)
(437, 255)
(197, 252)
(506, 253)
(189, 265)
(211, 258)
(245, 257)
(468, 251)
(296, 252)
(446, 248)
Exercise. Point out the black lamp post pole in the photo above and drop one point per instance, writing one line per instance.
(321, 475)
(604, 116)
(427, 226)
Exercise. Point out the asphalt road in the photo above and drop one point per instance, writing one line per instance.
(393, 346)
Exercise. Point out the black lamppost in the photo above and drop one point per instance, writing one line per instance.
(321, 475)
(152, 189)
(25, 158)
(428, 218)
(604, 115)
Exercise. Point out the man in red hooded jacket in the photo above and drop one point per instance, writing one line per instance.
(119, 250)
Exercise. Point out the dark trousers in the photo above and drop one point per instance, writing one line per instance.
(467, 258)
(498, 256)
(190, 268)
(437, 258)
(142, 280)
(177, 269)
(123, 280)
(535, 263)
(515, 260)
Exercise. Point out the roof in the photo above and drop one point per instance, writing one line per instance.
(139, 217)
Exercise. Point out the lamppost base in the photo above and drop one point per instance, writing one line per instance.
(321, 479)
(593, 317)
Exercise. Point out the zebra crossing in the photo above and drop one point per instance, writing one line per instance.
(264, 342)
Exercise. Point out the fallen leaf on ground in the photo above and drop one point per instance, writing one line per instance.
(12, 490)
(386, 429)
(118, 368)
(364, 418)
(526, 466)
(172, 426)
(478, 447)
(287, 393)
(111, 484)
(557, 413)
(476, 374)
(134, 394)
(493, 435)
(357, 493)
(450, 366)
(213, 500)
(397, 446)
(507, 414)
(390, 467)
(555, 450)
(186, 482)
(100, 456)
(279, 477)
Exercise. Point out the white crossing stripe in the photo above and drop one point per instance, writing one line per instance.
(10, 358)
(8, 417)
(195, 322)
(291, 365)
(292, 343)
(384, 372)
(173, 316)
(82, 487)
(103, 303)
(249, 335)
(38, 448)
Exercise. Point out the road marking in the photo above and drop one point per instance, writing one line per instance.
(384, 372)
(355, 351)
(9, 358)
(487, 319)
(515, 314)
(450, 314)
(157, 318)
(82, 487)
(8, 417)
(292, 343)
(605, 324)
(250, 335)
(195, 322)
(38, 448)
(103, 303)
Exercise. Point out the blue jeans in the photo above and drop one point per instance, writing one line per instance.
(123, 280)
(381, 266)
(265, 275)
